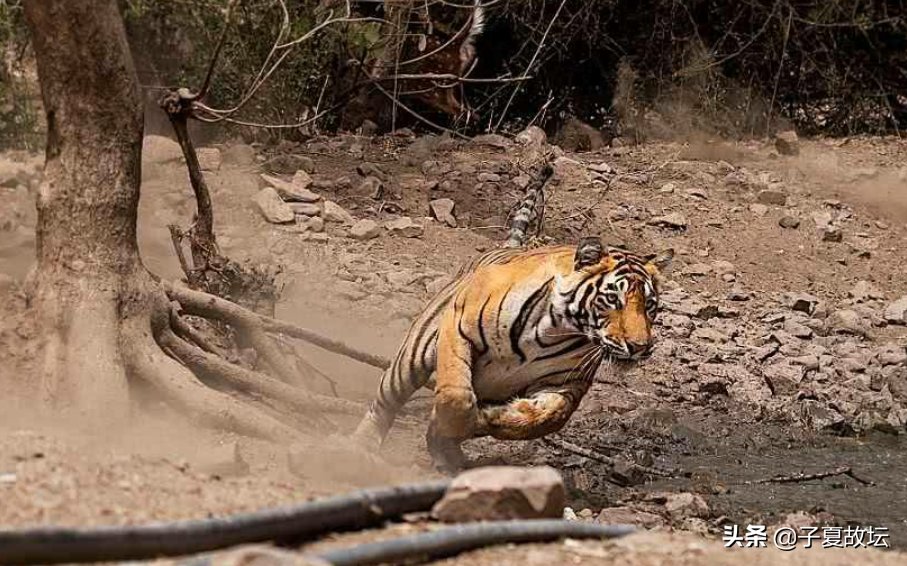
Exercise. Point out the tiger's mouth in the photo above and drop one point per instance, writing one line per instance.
(622, 351)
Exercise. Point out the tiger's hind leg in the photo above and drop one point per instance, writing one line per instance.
(535, 416)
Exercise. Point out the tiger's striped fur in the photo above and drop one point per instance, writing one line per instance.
(513, 342)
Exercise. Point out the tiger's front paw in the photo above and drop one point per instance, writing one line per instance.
(455, 412)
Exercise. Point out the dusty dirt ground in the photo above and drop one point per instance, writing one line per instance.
(781, 350)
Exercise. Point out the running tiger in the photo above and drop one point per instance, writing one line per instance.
(515, 340)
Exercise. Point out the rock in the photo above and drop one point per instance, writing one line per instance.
(789, 222)
(273, 208)
(373, 187)
(315, 224)
(801, 302)
(784, 378)
(772, 197)
(333, 212)
(865, 291)
(674, 220)
(808, 363)
(496, 493)
(832, 234)
(847, 321)
(759, 210)
(290, 190)
(787, 143)
(797, 330)
(160, 149)
(365, 230)
(822, 218)
(576, 135)
(820, 417)
(738, 293)
(893, 356)
(723, 267)
(442, 209)
(404, 227)
(302, 180)
(209, 158)
(288, 164)
(492, 140)
(602, 167)
(896, 312)
(697, 270)
(305, 208)
(370, 170)
(223, 461)
(532, 136)
(686, 505)
(238, 155)
(486, 177)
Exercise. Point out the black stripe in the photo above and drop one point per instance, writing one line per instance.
(427, 347)
(516, 330)
(576, 345)
(497, 320)
(482, 325)
(458, 312)
(572, 294)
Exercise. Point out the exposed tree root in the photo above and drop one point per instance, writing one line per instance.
(208, 306)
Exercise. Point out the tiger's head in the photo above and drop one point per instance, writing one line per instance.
(612, 297)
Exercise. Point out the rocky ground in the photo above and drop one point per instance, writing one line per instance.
(782, 336)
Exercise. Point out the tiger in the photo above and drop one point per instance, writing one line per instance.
(513, 342)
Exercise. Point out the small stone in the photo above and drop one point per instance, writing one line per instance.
(486, 177)
(289, 190)
(759, 210)
(315, 224)
(801, 302)
(797, 330)
(319, 237)
(348, 290)
(896, 312)
(686, 505)
(808, 363)
(784, 378)
(8, 478)
(532, 136)
(847, 321)
(674, 220)
(697, 270)
(822, 218)
(302, 180)
(723, 267)
(496, 493)
(370, 170)
(789, 222)
(373, 187)
(772, 197)
(832, 234)
(787, 143)
(404, 227)
(442, 209)
(273, 208)
(697, 194)
(305, 208)
(738, 294)
(602, 167)
(333, 212)
(365, 230)
(209, 158)
(865, 291)
(492, 140)
(288, 164)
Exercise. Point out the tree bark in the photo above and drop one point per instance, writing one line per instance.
(89, 273)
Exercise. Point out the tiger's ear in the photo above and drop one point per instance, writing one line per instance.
(588, 252)
(660, 263)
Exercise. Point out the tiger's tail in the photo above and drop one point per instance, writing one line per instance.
(530, 210)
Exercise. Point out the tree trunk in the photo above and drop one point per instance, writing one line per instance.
(89, 274)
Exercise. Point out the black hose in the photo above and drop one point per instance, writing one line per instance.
(358, 510)
(453, 540)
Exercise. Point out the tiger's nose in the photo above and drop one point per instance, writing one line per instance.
(638, 349)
